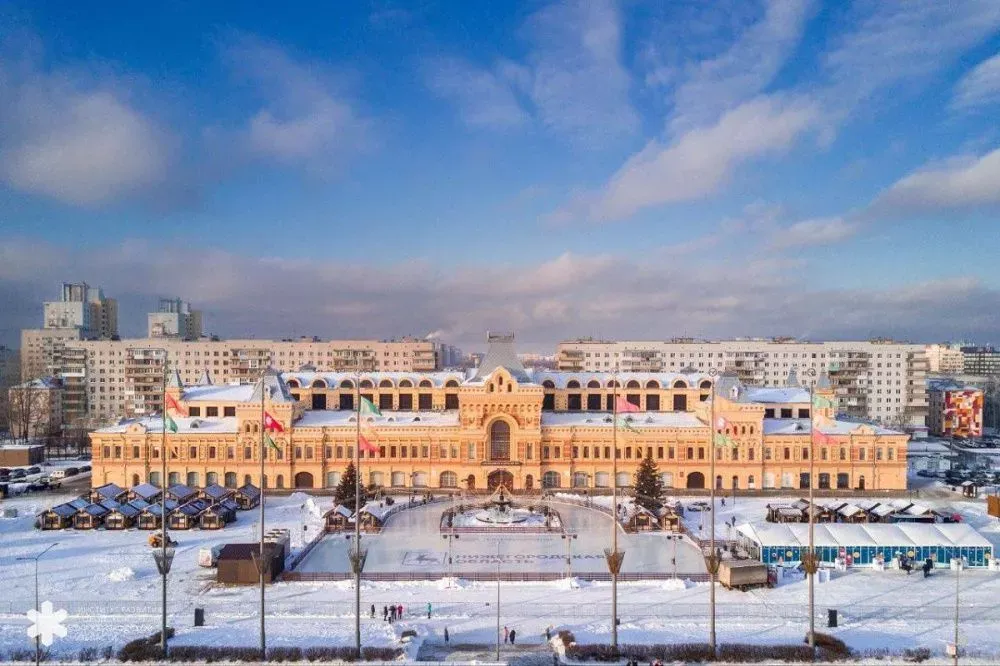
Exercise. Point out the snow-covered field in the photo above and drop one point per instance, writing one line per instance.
(108, 583)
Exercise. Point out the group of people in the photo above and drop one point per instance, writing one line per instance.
(390, 613)
(906, 564)
(509, 635)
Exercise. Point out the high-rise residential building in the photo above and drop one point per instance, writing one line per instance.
(85, 308)
(981, 360)
(174, 318)
(945, 359)
(41, 350)
(877, 380)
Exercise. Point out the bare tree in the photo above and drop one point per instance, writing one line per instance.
(27, 409)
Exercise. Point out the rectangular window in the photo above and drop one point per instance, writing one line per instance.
(680, 403)
(385, 401)
(230, 453)
(803, 413)
(576, 451)
(788, 453)
(211, 411)
(472, 451)
(786, 412)
(451, 401)
(701, 453)
(406, 401)
(194, 411)
(529, 451)
(135, 451)
(557, 450)
(545, 453)
(659, 452)
(444, 451)
(593, 402)
(670, 453)
(247, 453)
(193, 452)
(652, 403)
(805, 453)
(607, 453)
(573, 402)
(229, 411)
(633, 399)
(425, 401)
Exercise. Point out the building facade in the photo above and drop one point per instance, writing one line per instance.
(174, 318)
(945, 359)
(877, 380)
(35, 408)
(502, 425)
(981, 361)
(956, 410)
(85, 308)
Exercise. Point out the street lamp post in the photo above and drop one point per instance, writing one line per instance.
(673, 560)
(35, 558)
(450, 536)
(569, 553)
(713, 559)
(498, 600)
(811, 563)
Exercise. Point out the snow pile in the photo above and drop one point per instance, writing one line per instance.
(121, 574)
(312, 508)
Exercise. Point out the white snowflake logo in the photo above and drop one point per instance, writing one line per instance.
(47, 623)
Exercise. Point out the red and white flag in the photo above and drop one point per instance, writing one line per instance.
(365, 445)
(271, 423)
(174, 405)
(623, 406)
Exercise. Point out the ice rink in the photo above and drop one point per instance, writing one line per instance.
(412, 541)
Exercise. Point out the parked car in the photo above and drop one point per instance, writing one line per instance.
(85, 468)
(71, 471)
(18, 474)
(35, 470)
(58, 474)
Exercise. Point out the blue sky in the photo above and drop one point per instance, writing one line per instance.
(622, 169)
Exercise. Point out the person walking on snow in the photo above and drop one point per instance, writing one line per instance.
(385, 613)
(506, 635)
(399, 611)
(373, 611)
(513, 634)
(428, 610)
(446, 634)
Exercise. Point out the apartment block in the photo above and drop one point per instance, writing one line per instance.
(83, 307)
(981, 360)
(174, 318)
(945, 359)
(878, 380)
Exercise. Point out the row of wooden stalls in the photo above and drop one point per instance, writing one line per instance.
(115, 508)
(839, 511)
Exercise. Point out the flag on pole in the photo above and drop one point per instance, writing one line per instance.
(170, 423)
(724, 440)
(365, 445)
(271, 423)
(174, 405)
(820, 437)
(623, 406)
(270, 442)
(721, 423)
(368, 407)
(821, 402)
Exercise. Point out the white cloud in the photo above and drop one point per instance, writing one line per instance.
(579, 86)
(980, 87)
(698, 162)
(567, 295)
(904, 42)
(485, 98)
(306, 120)
(819, 231)
(76, 137)
(959, 183)
(711, 86)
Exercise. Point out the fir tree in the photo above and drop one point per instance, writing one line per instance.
(648, 487)
(345, 491)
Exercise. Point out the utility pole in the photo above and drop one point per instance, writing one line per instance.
(713, 559)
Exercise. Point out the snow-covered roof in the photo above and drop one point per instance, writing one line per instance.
(786, 426)
(109, 491)
(324, 418)
(849, 510)
(145, 490)
(605, 379)
(185, 424)
(824, 426)
(861, 534)
(775, 395)
(334, 379)
(637, 420)
(501, 354)
(341, 510)
(224, 393)
(273, 386)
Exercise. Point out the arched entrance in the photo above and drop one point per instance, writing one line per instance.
(500, 441)
(470, 482)
(303, 480)
(529, 482)
(500, 477)
(695, 480)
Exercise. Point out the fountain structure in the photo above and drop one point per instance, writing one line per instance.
(500, 512)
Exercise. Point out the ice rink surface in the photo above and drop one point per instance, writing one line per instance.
(412, 541)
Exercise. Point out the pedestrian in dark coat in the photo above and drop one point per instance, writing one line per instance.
(373, 611)
(399, 611)
(446, 634)
(385, 613)
(428, 610)
(513, 635)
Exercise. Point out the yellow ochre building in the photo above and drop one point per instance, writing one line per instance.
(502, 424)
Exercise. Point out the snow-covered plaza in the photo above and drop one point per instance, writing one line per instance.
(108, 583)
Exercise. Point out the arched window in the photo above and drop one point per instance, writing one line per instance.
(230, 479)
(426, 384)
(633, 384)
(449, 480)
(751, 482)
(212, 478)
(500, 441)
(347, 384)
(247, 479)
(385, 383)
(593, 383)
(367, 384)
(192, 479)
(550, 480)
(135, 480)
(652, 384)
(319, 383)
(405, 383)
(680, 384)
(623, 480)
(154, 478)
(549, 384)
(705, 384)
(614, 384)
(293, 383)
(280, 481)
(451, 383)
(572, 384)
(398, 479)
(579, 479)
(332, 479)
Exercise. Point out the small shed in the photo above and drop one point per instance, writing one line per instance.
(109, 491)
(642, 520)
(217, 516)
(669, 520)
(150, 517)
(90, 517)
(146, 492)
(187, 515)
(58, 517)
(338, 518)
(880, 513)
(247, 496)
(969, 488)
(215, 493)
(237, 564)
(851, 513)
(181, 494)
(122, 517)
(783, 513)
